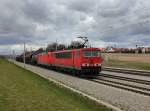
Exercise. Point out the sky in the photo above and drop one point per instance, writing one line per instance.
(120, 23)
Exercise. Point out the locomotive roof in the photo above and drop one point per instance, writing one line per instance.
(76, 50)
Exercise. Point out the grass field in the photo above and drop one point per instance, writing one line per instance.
(22, 90)
(127, 64)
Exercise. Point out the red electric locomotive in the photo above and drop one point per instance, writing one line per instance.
(85, 61)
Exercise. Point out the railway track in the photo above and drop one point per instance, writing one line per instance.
(128, 71)
(125, 83)
(138, 85)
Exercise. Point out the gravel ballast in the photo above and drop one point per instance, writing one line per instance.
(122, 99)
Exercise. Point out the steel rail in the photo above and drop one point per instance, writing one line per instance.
(126, 78)
(121, 86)
(127, 71)
(125, 84)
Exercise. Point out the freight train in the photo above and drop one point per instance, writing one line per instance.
(83, 61)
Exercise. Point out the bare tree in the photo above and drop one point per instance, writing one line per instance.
(52, 47)
(61, 46)
(77, 44)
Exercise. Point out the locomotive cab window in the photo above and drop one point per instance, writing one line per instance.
(91, 53)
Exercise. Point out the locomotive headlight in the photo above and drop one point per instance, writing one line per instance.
(85, 64)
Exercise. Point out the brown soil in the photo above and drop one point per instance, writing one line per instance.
(128, 57)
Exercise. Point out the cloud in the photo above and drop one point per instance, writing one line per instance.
(114, 8)
(105, 22)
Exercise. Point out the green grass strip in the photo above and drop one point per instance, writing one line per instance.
(22, 90)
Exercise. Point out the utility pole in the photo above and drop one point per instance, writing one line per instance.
(56, 45)
(24, 60)
(13, 54)
(31, 49)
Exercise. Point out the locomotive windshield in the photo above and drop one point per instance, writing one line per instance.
(91, 53)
